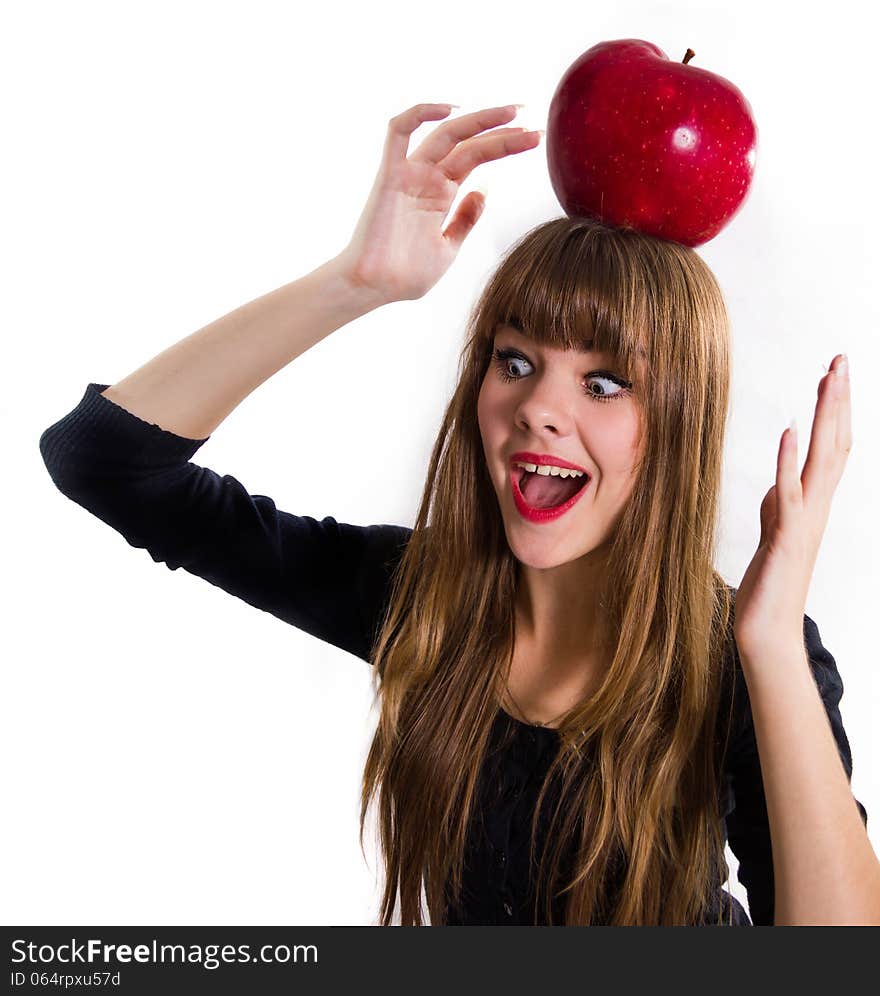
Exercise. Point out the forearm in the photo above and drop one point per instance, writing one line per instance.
(825, 870)
(193, 385)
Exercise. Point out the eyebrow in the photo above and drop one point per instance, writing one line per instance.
(586, 347)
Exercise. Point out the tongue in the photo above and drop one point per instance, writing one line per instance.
(546, 492)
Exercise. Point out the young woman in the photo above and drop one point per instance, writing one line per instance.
(566, 733)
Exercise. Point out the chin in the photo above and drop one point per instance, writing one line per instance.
(542, 553)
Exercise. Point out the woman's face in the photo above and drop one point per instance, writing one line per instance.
(560, 404)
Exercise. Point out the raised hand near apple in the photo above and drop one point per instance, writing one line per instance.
(399, 247)
(771, 599)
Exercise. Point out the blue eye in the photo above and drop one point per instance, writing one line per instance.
(503, 358)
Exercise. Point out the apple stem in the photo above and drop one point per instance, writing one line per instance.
(688, 56)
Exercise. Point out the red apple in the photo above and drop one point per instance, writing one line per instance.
(642, 142)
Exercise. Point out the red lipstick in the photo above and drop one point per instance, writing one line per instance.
(539, 515)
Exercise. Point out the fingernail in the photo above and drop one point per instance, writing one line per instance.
(842, 368)
(792, 428)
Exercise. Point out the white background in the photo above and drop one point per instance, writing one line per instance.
(172, 755)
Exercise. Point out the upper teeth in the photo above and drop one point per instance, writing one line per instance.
(548, 470)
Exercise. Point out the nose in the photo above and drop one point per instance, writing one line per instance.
(543, 408)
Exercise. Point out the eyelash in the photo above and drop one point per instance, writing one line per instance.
(502, 356)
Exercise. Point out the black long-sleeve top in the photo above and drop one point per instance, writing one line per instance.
(331, 580)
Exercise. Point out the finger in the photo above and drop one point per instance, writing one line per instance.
(466, 216)
(844, 417)
(789, 495)
(402, 125)
(442, 141)
(459, 163)
(820, 474)
(768, 515)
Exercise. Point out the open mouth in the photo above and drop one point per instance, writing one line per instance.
(540, 493)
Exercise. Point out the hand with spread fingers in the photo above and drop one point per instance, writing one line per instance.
(771, 599)
(399, 247)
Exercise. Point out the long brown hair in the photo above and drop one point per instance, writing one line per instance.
(639, 760)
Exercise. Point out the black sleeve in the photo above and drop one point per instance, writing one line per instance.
(325, 577)
(748, 825)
